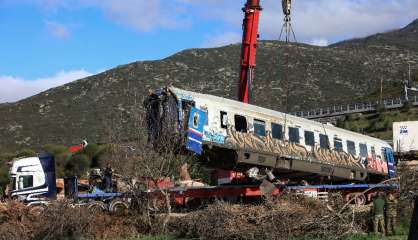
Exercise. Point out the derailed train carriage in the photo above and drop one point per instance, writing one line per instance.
(231, 135)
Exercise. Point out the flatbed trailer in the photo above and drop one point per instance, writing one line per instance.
(181, 195)
(190, 197)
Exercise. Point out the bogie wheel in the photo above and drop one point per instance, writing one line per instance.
(96, 207)
(118, 206)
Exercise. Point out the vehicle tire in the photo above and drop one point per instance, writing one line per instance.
(96, 207)
(118, 206)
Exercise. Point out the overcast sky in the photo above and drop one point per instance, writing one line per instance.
(46, 43)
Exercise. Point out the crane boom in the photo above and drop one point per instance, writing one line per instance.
(249, 46)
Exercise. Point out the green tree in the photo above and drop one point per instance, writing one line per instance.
(77, 165)
(25, 153)
(61, 155)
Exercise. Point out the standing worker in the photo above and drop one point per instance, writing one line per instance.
(391, 212)
(378, 213)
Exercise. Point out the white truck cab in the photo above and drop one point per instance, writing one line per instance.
(33, 178)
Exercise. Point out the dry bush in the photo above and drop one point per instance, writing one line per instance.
(64, 221)
(282, 218)
(14, 218)
(118, 227)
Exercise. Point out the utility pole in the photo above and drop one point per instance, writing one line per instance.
(381, 89)
(407, 83)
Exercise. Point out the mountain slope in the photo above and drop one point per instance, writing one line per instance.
(405, 38)
(108, 104)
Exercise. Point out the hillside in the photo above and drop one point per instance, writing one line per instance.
(108, 103)
(378, 124)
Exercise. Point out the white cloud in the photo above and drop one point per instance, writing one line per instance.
(322, 42)
(146, 15)
(15, 88)
(333, 20)
(223, 39)
(141, 15)
(57, 30)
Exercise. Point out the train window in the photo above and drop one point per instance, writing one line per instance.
(338, 144)
(351, 147)
(323, 141)
(383, 155)
(240, 123)
(309, 138)
(373, 152)
(276, 131)
(196, 120)
(259, 128)
(363, 150)
(293, 135)
(224, 119)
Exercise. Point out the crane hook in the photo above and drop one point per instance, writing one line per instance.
(286, 5)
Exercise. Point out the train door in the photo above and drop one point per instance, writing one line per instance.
(390, 162)
(197, 119)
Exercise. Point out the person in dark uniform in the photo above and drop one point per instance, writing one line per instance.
(107, 178)
(378, 213)
(391, 213)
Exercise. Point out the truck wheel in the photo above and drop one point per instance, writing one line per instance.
(97, 207)
(118, 206)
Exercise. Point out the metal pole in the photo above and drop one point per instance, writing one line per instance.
(413, 228)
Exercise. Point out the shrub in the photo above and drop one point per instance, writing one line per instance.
(61, 155)
(25, 153)
(77, 165)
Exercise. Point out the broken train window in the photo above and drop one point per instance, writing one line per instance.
(196, 120)
(240, 123)
(224, 119)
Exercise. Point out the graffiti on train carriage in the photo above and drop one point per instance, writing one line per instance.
(235, 134)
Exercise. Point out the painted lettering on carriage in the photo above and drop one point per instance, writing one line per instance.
(213, 136)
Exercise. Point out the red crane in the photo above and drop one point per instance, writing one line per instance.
(250, 24)
(252, 11)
